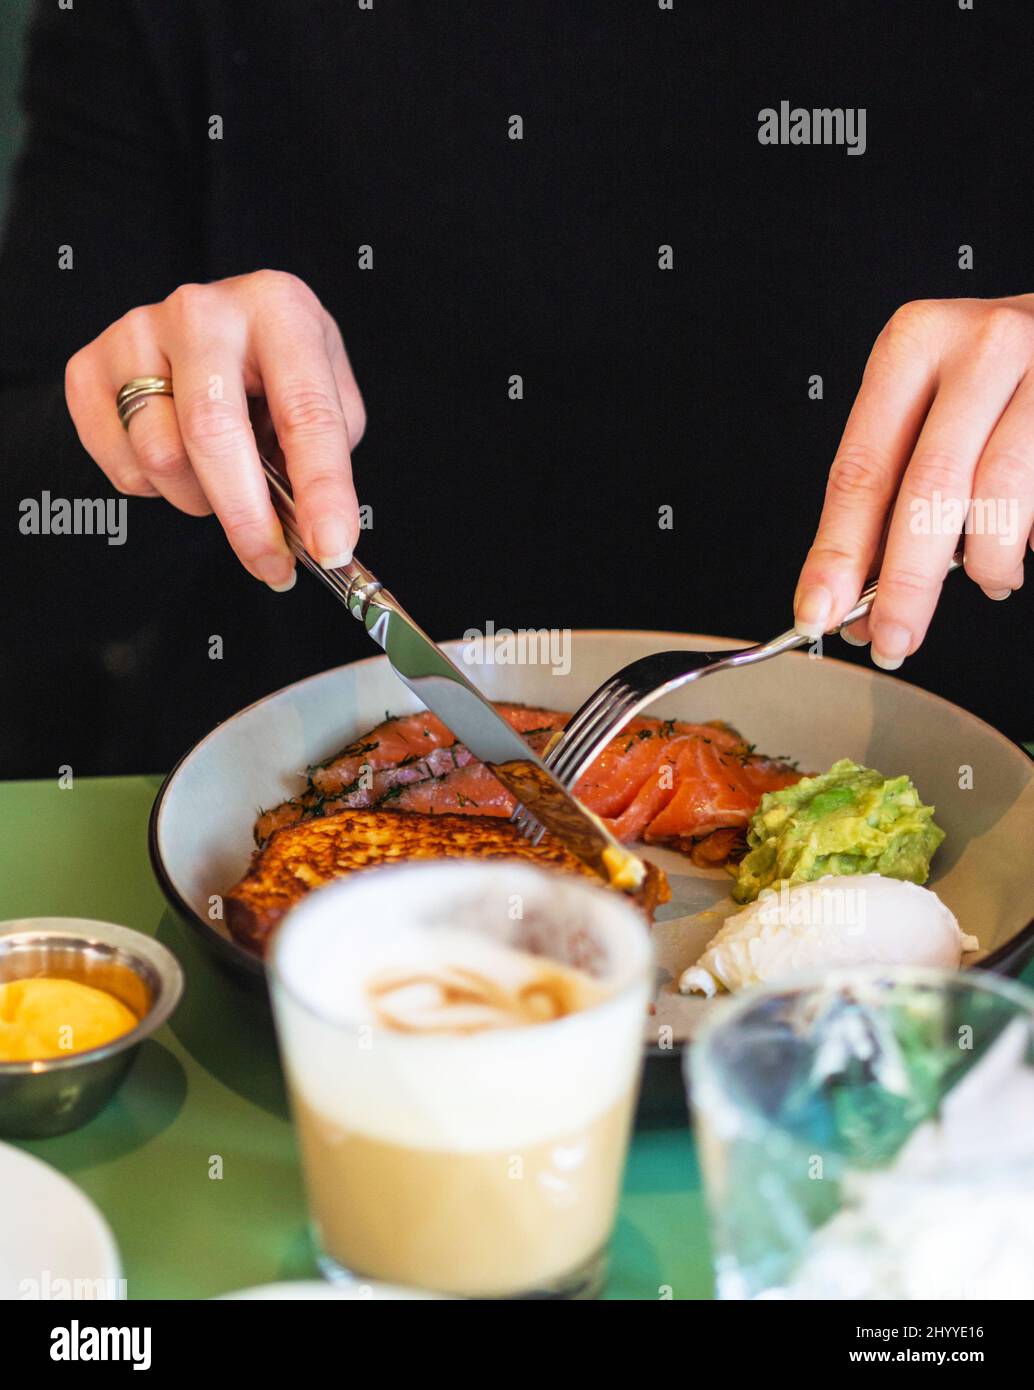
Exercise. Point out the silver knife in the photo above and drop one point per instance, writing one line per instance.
(444, 689)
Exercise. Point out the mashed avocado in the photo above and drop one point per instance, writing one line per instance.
(849, 820)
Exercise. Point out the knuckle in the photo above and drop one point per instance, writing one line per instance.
(1008, 473)
(901, 582)
(827, 555)
(135, 322)
(1003, 329)
(916, 316)
(246, 530)
(195, 506)
(284, 286)
(161, 457)
(192, 303)
(990, 576)
(857, 474)
(909, 327)
(74, 378)
(210, 423)
(323, 479)
(133, 485)
(306, 410)
(933, 471)
(356, 422)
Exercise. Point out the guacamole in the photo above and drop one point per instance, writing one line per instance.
(849, 820)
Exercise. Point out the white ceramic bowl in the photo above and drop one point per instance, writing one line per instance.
(812, 710)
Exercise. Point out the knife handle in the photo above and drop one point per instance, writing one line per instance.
(353, 583)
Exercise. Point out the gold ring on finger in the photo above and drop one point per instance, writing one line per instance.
(133, 395)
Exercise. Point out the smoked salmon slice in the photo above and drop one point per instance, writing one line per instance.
(391, 744)
(367, 789)
(468, 791)
(714, 789)
(616, 777)
(693, 787)
(409, 738)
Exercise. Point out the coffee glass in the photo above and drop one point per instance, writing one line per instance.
(462, 1043)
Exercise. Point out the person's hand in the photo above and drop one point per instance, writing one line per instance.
(940, 439)
(259, 335)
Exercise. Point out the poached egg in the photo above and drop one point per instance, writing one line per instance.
(839, 920)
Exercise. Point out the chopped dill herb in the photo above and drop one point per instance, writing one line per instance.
(349, 752)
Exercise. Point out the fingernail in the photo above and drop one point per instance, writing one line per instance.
(852, 640)
(277, 571)
(997, 594)
(890, 644)
(813, 611)
(330, 537)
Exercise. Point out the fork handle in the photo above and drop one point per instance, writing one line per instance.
(786, 641)
(868, 594)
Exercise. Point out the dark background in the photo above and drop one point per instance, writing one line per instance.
(491, 257)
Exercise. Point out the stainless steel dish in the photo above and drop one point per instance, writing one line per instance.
(52, 1096)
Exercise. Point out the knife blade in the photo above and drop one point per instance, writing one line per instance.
(444, 688)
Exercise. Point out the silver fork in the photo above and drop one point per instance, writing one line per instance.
(627, 693)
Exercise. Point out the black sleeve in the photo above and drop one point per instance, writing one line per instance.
(104, 215)
(111, 169)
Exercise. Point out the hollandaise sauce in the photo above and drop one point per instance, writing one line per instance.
(44, 1018)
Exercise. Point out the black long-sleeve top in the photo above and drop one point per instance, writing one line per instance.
(643, 388)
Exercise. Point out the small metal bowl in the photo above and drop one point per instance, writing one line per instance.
(54, 1095)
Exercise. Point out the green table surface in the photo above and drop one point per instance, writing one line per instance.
(208, 1085)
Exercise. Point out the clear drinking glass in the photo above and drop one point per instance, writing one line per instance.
(440, 1154)
(870, 1135)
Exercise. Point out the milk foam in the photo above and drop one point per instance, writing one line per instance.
(493, 1089)
(502, 988)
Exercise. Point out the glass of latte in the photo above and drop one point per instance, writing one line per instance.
(462, 1043)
